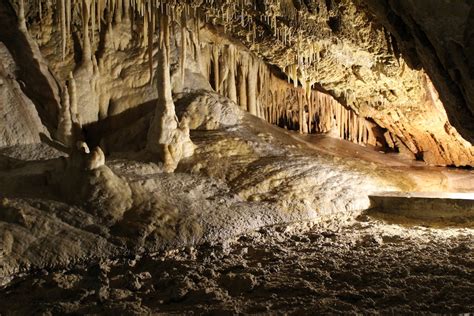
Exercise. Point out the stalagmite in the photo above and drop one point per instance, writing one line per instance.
(64, 131)
(166, 139)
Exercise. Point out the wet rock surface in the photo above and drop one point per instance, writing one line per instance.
(352, 266)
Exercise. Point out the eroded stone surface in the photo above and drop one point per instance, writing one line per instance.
(339, 46)
(20, 120)
(360, 266)
(66, 208)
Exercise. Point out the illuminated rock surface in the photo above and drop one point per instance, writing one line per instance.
(143, 144)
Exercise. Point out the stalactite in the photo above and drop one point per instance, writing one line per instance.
(93, 20)
(231, 77)
(71, 84)
(310, 111)
(300, 112)
(240, 76)
(197, 50)
(150, 32)
(98, 14)
(21, 16)
(252, 86)
(62, 8)
(215, 58)
(243, 73)
(223, 73)
(126, 10)
(86, 45)
(183, 47)
(119, 11)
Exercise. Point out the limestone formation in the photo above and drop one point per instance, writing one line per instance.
(20, 122)
(86, 181)
(135, 131)
(167, 137)
(355, 69)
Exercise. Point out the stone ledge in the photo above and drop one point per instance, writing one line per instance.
(424, 205)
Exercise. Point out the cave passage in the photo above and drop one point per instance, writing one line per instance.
(236, 157)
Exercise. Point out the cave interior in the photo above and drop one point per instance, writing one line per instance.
(236, 157)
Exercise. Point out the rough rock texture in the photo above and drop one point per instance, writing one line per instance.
(86, 181)
(340, 46)
(39, 83)
(336, 46)
(337, 267)
(20, 121)
(111, 82)
(261, 178)
(438, 36)
(205, 110)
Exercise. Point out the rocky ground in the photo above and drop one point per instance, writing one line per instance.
(110, 240)
(336, 266)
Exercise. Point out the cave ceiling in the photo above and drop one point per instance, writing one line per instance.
(402, 64)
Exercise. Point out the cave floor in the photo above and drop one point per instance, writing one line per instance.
(342, 262)
(355, 266)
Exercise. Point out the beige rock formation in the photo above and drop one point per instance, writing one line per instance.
(167, 137)
(338, 47)
(20, 122)
(342, 47)
(177, 123)
(86, 181)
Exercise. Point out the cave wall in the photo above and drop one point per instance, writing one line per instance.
(437, 36)
(21, 123)
(335, 46)
(232, 71)
(342, 46)
(114, 94)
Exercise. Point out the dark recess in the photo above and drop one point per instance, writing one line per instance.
(334, 23)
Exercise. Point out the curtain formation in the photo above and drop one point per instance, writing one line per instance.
(240, 76)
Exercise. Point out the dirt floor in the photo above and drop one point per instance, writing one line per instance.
(337, 266)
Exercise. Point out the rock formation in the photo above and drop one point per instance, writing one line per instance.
(167, 137)
(132, 128)
(21, 123)
(352, 57)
